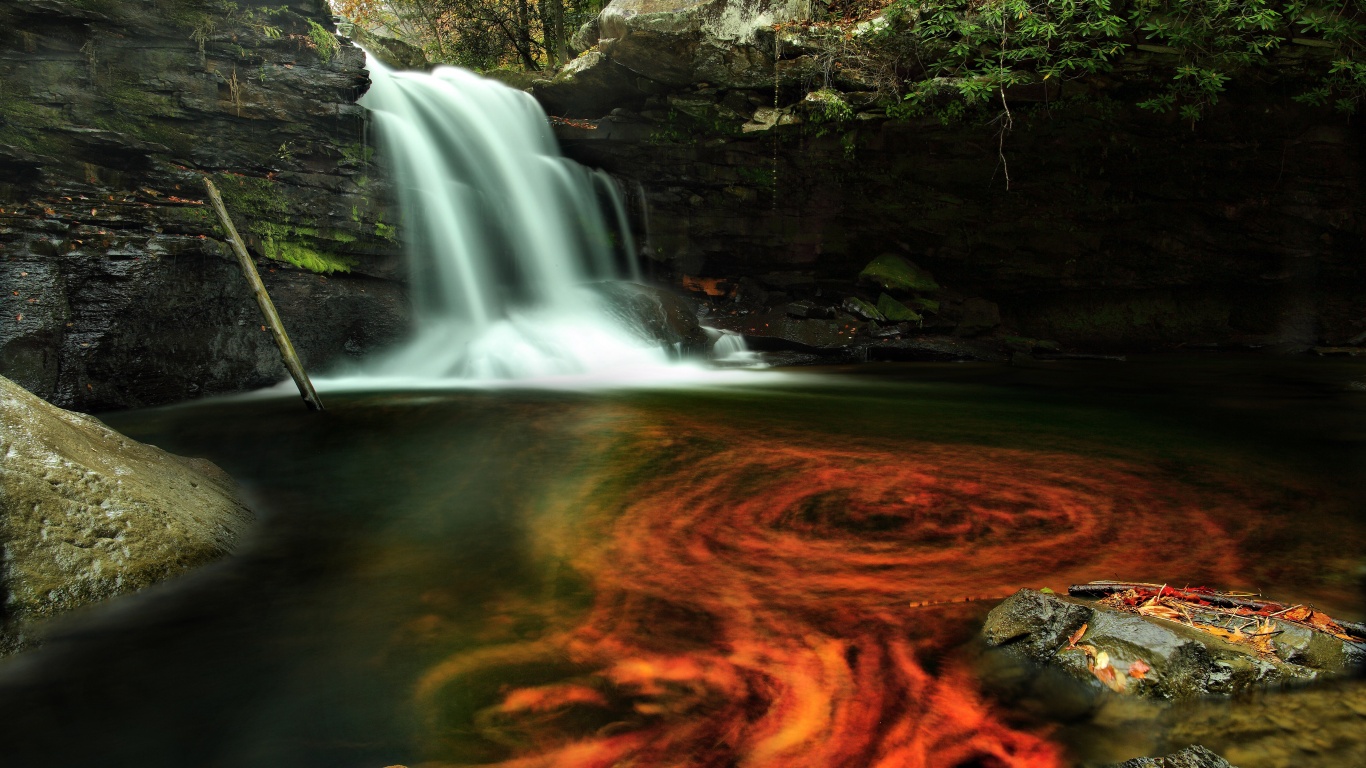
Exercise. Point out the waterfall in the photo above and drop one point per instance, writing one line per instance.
(503, 234)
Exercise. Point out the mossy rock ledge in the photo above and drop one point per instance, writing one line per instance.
(87, 514)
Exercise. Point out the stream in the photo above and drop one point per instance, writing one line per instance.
(766, 573)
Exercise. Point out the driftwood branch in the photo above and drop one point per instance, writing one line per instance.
(277, 328)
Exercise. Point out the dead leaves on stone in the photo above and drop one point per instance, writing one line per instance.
(1107, 670)
(1236, 618)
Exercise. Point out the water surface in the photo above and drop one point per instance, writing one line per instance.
(744, 575)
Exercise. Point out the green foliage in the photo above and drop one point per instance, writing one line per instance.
(826, 108)
(972, 52)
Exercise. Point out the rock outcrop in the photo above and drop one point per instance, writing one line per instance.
(87, 514)
(642, 48)
(763, 148)
(1120, 230)
(118, 288)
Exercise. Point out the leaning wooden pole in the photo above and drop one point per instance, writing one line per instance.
(277, 328)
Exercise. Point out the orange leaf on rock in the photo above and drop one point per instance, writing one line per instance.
(1298, 613)
(1107, 676)
(1139, 669)
(1075, 636)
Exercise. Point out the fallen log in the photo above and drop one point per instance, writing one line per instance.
(258, 288)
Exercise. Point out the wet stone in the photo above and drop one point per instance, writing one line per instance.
(1183, 662)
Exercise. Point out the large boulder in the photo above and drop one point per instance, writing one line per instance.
(588, 86)
(87, 514)
(681, 42)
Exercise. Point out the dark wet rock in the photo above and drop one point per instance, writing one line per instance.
(1034, 623)
(1190, 757)
(809, 310)
(1243, 232)
(978, 316)
(934, 349)
(119, 290)
(776, 329)
(662, 316)
(87, 514)
(1185, 662)
(790, 359)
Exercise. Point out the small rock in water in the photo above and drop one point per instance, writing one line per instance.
(1152, 657)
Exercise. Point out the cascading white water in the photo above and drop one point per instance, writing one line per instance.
(503, 233)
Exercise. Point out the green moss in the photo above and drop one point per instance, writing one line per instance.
(29, 125)
(895, 273)
(132, 100)
(386, 231)
(926, 305)
(306, 257)
(896, 311)
(357, 153)
(324, 42)
(252, 196)
(339, 236)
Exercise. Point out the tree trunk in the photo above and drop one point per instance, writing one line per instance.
(524, 34)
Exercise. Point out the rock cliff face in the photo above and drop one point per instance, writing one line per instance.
(1093, 223)
(87, 514)
(118, 289)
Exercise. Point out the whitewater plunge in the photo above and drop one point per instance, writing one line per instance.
(503, 236)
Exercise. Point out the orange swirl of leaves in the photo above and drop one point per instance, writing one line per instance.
(752, 607)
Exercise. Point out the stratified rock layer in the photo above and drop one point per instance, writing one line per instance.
(86, 513)
(118, 289)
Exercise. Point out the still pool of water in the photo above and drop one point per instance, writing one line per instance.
(772, 574)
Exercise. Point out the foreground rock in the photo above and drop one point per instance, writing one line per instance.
(1155, 658)
(1190, 757)
(87, 514)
